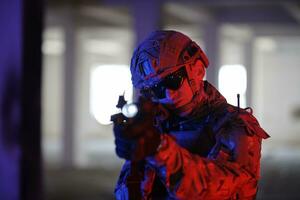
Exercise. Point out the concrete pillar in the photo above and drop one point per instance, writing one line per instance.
(20, 105)
(248, 62)
(69, 88)
(146, 15)
(212, 50)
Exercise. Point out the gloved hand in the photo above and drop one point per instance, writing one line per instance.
(124, 145)
(137, 138)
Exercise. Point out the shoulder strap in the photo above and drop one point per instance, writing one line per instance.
(251, 124)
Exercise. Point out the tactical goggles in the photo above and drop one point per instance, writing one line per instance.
(172, 81)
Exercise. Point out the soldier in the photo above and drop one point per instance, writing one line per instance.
(198, 146)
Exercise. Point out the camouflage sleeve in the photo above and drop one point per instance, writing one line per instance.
(190, 176)
(121, 190)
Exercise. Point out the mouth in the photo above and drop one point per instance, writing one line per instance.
(179, 103)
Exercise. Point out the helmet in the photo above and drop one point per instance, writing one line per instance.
(163, 53)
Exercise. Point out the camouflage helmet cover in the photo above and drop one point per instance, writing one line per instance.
(162, 53)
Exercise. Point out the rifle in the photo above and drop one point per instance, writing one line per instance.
(132, 114)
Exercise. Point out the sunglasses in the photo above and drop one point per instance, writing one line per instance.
(172, 81)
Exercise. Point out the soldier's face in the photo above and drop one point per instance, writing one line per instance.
(173, 91)
(177, 99)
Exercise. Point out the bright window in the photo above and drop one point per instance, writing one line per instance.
(107, 83)
(233, 81)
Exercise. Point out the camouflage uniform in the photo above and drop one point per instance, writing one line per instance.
(213, 155)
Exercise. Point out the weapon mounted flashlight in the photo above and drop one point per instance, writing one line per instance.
(127, 110)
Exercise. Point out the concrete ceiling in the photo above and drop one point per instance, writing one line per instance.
(255, 13)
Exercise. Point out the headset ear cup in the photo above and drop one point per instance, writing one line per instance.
(199, 70)
(195, 73)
